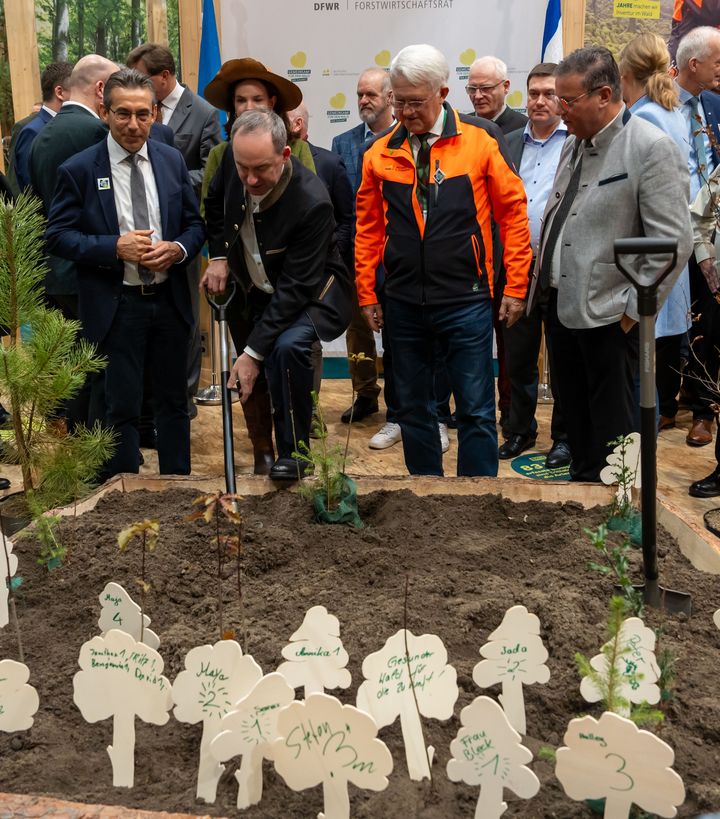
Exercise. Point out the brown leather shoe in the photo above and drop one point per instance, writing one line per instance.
(666, 423)
(701, 432)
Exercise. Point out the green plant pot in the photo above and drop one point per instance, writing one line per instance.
(14, 512)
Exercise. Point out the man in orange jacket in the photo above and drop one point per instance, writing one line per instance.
(429, 189)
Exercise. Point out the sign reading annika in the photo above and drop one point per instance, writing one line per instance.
(120, 678)
(489, 752)
(612, 759)
(322, 741)
(215, 678)
(248, 730)
(515, 656)
(406, 662)
(18, 700)
(315, 657)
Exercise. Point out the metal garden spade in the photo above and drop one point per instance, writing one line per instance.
(654, 594)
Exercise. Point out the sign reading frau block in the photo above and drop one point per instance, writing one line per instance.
(121, 678)
(515, 656)
(8, 567)
(390, 675)
(612, 759)
(120, 611)
(248, 730)
(636, 665)
(215, 678)
(19, 701)
(323, 741)
(315, 657)
(489, 752)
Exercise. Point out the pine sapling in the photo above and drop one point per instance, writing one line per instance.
(146, 532)
(617, 564)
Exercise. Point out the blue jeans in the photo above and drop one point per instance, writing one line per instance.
(463, 334)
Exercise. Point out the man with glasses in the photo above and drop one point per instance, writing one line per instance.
(126, 211)
(618, 176)
(424, 207)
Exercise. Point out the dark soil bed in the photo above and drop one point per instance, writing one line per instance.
(468, 560)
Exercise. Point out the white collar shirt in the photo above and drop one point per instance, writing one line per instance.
(169, 104)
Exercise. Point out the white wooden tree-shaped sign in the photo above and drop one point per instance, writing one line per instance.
(215, 678)
(636, 665)
(248, 730)
(323, 741)
(515, 656)
(8, 567)
(18, 700)
(624, 470)
(612, 758)
(716, 618)
(120, 678)
(315, 656)
(488, 752)
(119, 610)
(388, 691)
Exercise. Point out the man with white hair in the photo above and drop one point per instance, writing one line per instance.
(429, 187)
(698, 62)
(488, 86)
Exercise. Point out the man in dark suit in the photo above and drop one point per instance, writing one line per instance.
(126, 211)
(488, 86)
(196, 126)
(54, 83)
(374, 98)
(698, 62)
(286, 265)
(535, 151)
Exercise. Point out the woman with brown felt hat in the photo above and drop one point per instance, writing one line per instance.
(238, 86)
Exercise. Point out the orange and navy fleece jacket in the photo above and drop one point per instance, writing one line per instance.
(446, 259)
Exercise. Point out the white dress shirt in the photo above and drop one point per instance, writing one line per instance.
(169, 104)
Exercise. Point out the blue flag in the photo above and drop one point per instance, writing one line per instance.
(210, 60)
(552, 43)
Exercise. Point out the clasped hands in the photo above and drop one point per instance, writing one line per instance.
(137, 246)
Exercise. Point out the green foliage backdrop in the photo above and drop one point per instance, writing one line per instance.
(601, 28)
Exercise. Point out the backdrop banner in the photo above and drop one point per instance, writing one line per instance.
(324, 46)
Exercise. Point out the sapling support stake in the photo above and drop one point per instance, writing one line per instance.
(292, 421)
(11, 593)
(654, 594)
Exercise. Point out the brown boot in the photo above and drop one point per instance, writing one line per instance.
(258, 418)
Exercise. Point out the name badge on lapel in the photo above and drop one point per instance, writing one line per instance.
(103, 183)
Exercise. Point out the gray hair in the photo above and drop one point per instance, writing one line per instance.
(260, 121)
(127, 78)
(419, 64)
(696, 43)
(498, 66)
(385, 87)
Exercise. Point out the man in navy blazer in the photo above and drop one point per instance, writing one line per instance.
(698, 62)
(126, 212)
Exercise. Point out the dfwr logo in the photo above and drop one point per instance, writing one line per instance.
(298, 73)
(338, 112)
(326, 6)
(466, 60)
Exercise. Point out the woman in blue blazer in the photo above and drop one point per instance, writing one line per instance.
(650, 93)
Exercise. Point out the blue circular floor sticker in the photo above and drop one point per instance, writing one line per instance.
(533, 466)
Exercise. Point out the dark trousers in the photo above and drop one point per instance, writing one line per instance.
(667, 372)
(704, 336)
(463, 334)
(147, 331)
(522, 348)
(359, 338)
(194, 355)
(595, 371)
(503, 380)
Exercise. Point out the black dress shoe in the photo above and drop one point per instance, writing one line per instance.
(148, 438)
(362, 407)
(558, 456)
(4, 484)
(706, 488)
(514, 445)
(289, 469)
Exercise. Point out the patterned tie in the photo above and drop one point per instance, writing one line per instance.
(422, 163)
(698, 139)
(558, 221)
(141, 219)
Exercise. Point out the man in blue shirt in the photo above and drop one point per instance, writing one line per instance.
(535, 149)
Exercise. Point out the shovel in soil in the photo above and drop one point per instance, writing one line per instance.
(220, 311)
(653, 593)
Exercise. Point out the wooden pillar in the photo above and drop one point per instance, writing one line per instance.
(189, 14)
(573, 19)
(157, 27)
(23, 56)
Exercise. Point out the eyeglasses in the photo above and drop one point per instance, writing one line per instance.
(483, 90)
(411, 105)
(566, 104)
(123, 116)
